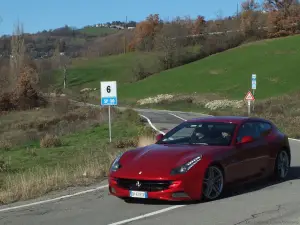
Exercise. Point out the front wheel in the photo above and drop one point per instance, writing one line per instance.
(213, 183)
(282, 165)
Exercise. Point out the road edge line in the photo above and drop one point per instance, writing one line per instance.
(147, 215)
(53, 199)
(151, 124)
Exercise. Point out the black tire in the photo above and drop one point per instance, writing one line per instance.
(218, 187)
(282, 165)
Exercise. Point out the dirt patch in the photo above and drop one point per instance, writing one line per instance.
(216, 71)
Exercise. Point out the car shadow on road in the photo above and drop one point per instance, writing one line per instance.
(294, 174)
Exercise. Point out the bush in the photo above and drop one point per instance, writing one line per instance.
(49, 141)
(5, 145)
(126, 143)
(24, 94)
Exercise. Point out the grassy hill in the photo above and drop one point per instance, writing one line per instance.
(99, 31)
(228, 74)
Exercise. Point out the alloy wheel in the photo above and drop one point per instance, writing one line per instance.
(282, 164)
(213, 183)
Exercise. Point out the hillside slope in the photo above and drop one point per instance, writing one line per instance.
(274, 61)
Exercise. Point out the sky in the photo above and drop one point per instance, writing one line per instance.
(37, 15)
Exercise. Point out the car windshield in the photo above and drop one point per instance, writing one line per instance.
(200, 133)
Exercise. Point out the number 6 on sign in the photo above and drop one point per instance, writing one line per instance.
(109, 93)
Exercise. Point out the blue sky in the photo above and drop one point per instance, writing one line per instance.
(37, 15)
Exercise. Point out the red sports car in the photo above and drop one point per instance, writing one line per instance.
(197, 158)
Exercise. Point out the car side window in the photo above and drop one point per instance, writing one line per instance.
(248, 129)
(264, 128)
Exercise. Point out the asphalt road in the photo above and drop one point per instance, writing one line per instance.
(262, 203)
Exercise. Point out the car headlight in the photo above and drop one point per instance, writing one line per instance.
(186, 167)
(116, 164)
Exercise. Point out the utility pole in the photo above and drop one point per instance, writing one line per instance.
(125, 41)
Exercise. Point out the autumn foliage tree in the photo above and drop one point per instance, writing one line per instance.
(145, 33)
(283, 17)
(199, 25)
(249, 17)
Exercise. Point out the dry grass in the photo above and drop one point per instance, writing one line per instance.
(60, 118)
(5, 145)
(39, 181)
(49, 141)
(80, 156)
(145, 141)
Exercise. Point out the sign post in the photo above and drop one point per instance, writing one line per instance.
(109, 98)
(249, 98)
(253, 81)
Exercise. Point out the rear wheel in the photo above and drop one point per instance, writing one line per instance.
(213, 183)
(282, 165)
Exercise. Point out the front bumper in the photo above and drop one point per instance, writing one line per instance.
(178, 190)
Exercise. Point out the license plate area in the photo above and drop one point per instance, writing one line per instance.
(138, 194)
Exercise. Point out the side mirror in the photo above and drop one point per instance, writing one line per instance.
(159, 137)
(246, 139)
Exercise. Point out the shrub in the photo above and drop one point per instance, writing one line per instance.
(49, 141)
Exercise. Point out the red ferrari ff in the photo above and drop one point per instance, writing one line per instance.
(199, 157)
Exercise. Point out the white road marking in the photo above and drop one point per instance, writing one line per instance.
(151, 124)
(53, 199)
(147, 215)
(70, 195)
(177, 116)
(210, 115)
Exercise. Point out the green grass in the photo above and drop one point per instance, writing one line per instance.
(30, 170)
(98, 31)
(229, 73)
(226, 74)
(94, 139)
(89, 72)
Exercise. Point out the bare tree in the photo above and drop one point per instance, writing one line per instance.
(249, 17)
(280, 5)
(62, 61)
(171, 48)
(17, 52)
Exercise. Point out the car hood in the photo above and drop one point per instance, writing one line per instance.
(158, 160)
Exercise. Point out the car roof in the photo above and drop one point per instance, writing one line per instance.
(227, 119)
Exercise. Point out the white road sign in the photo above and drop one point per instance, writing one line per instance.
(253, 80)
(109, 93)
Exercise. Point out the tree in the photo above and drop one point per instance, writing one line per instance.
(249, 17)
(169, 42)
(145, 32)
(279, 5)
(17, 52)
(283, 17)
(199, 25)
(61, 61)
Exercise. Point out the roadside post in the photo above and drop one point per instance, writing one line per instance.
(253, 82)
(108, 98)
(249, 98)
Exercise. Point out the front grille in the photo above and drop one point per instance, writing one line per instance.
(143, 185)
